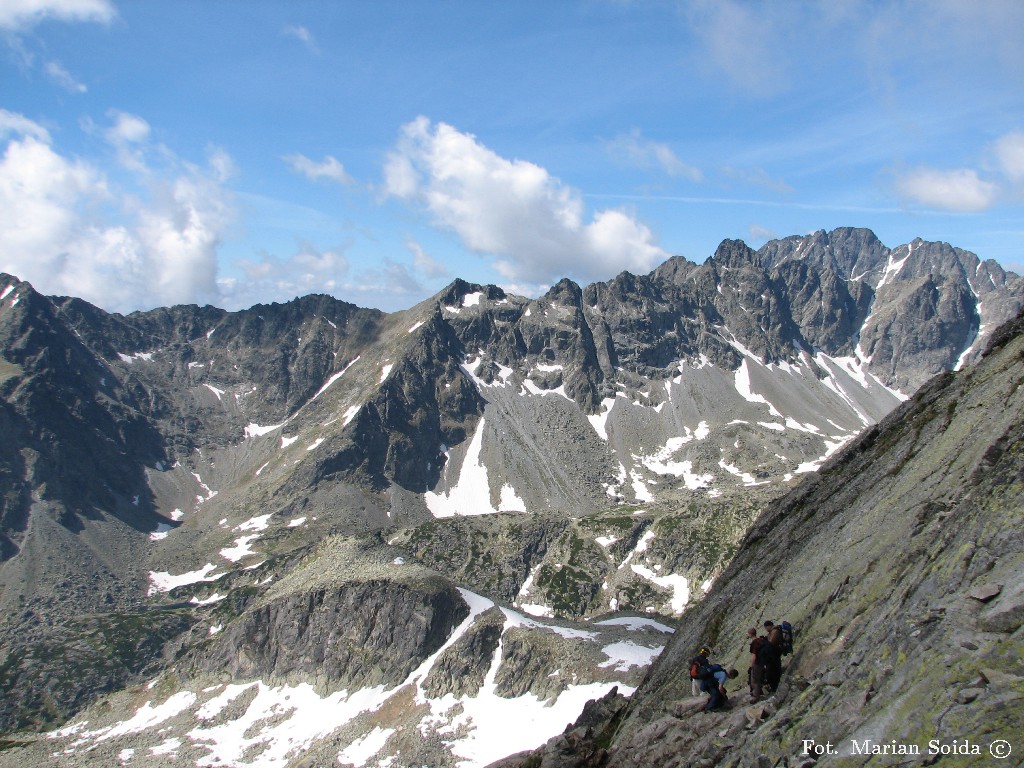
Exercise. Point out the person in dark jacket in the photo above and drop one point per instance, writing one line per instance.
(773, 655)
(757, 663)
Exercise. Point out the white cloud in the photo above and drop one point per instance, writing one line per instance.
(425, 263)
(389, 285)
(329, 168)
(513, 210)
(308, 270)
(68, 231)
(127, 128)
(19, 15)
(221, 164)
(767, 48)
(651, 154)
(63, 78)
(303, 35)
(1010, 154)
(956, 190)
(12, 122)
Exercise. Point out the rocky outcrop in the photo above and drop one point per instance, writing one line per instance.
(462, 668)
(344, 614)
(350, 635)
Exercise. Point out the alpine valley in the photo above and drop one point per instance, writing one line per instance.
(310, 534)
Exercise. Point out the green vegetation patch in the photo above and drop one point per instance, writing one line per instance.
(45, 681)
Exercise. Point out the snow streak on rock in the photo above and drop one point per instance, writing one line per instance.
(471, 494)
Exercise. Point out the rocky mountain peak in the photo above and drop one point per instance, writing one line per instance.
(735, 254)
(565, 291)
(853, 253)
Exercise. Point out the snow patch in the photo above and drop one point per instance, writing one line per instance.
(362, 749)
(599, 421)
(255, 430)
(162, 581)
(624, 655)
(242, 548)
(745, 391)
(333, 379)
(349, 415)
(633, 623)
(472, 493)
(678, 585)
(218, 392)
(216, 597)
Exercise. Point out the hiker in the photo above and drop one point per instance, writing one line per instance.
(773, 655)
(699, 665)
(714, 685)
(758, 657)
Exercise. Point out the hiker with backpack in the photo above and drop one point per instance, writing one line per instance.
(711, 679)
(698, 666)
(780, 640)
(714, 686)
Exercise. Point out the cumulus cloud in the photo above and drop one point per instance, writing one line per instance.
(959, 190)
(530, 222)
(19, 15)
(65, 228)
(13, 123)
(635, 149)
(126, 128)
(328, 169)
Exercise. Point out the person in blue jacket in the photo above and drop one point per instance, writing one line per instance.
(714, 685)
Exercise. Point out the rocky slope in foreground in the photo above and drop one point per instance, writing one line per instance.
(902, 565)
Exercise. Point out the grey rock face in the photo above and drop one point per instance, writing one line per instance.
(462, 668)
(355, 634)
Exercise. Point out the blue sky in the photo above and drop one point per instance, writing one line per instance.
(234, 153)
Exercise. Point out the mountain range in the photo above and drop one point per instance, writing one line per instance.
(414, 512)
(901, 565)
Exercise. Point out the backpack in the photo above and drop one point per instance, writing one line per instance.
(787, 638)
(765, 651)
(701, 668)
